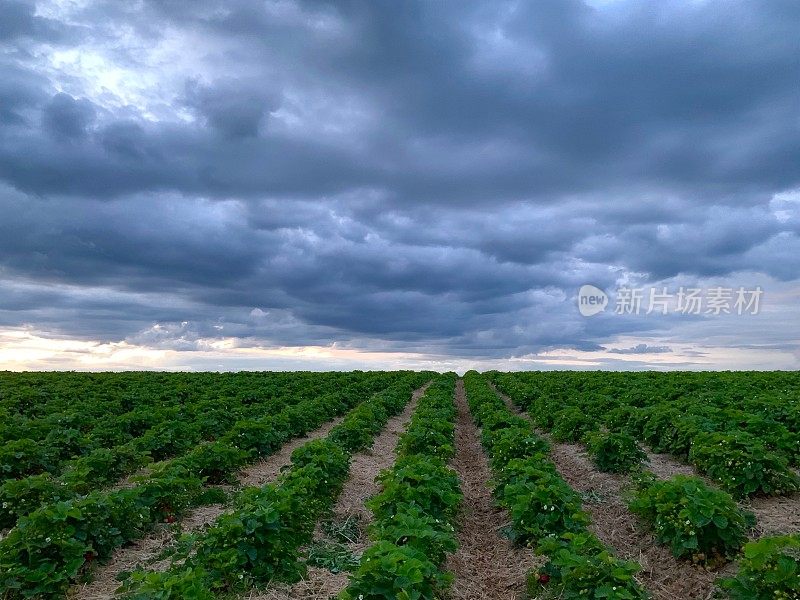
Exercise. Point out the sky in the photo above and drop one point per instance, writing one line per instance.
(243, 184)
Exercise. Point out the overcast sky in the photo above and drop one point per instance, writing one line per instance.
(227, 184)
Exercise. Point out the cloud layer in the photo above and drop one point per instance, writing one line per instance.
(432, 179)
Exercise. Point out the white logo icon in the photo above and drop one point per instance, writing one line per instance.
(591, 300)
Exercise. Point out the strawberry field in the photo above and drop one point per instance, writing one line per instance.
(400, 485)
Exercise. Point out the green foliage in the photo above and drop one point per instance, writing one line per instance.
(545, 511)
(618, 419)
(769, 569)
(571, 424)
(21, 457)
(413, 527)
(742, 464)
(357, 430)
(262, 538)
(215, 462)
(396, 572)
(579, 567)
(615, 452)
(540, 503)
(101, 467)
(168, 491)
(50, 547)
(436, 438)
(695, 520)
(259, 540)
(417, 481)
(514, 442)
(169, 439)
(19, 497)
(261, 436)
(187, 584)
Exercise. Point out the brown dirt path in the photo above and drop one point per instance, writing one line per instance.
(321, 584)
(777, 515)
(141, 551)
(487, 566)
(665, 577)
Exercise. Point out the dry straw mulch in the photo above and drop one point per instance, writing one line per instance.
(487, 566)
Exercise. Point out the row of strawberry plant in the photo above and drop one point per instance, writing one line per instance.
(81, 445)
(774, 396)
(260, 540)
(104, 466)
(415, 510)
(546, 513)
(695, 520)
(668, 415)
(32, 404)
(53, 545)
(744, 453)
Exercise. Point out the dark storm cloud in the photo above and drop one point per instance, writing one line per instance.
(64, 117)
(429, 176)
(234, 108)
(18, 20)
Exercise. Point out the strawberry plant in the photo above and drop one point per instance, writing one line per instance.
(615, 452)
(186, 584)
(101, 467)
(417, 481)
(540, 503)
(260, 436)
(48, 548)
(546, 513)
(21, 457)
(693, 519)
(769, 568)
(357, 431)
(742, 464)
(19, 497)
(260, 539)
(571, 424)
(215, 462)
(579, 566)
(510, 443)
(618, 419)
(398, 572)
(430, 432)
(413, 527)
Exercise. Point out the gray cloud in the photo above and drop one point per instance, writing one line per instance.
(438, 178)
(641, 349)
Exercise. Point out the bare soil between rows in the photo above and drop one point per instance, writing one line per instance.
(487, 566)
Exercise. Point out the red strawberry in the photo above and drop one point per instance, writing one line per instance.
(544, 578)
(170, 519)
(89, 556)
